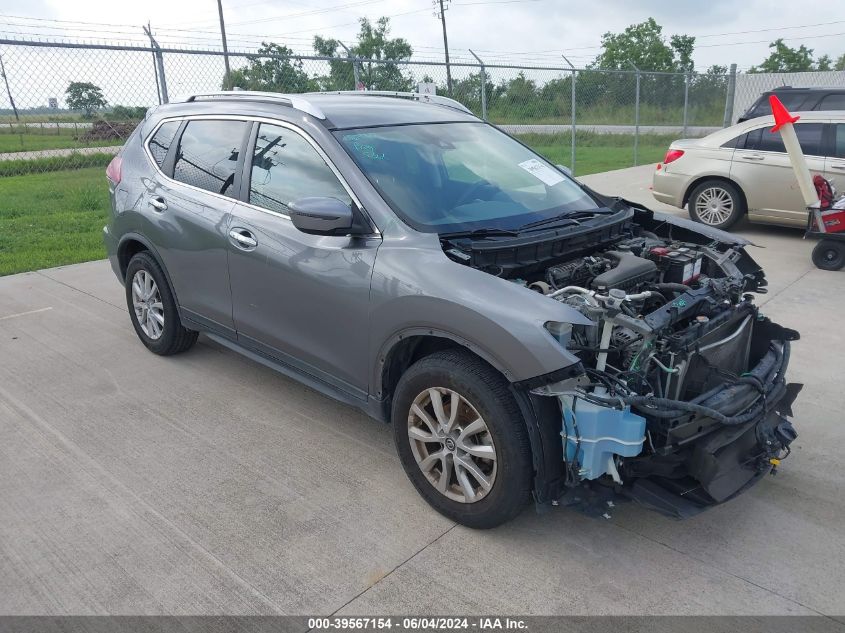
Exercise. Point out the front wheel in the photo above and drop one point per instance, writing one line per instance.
(462, 439)
(829, 255)
(716, 203)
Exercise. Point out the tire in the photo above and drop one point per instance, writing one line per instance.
(164, 338)
(500, 452)
(716, 203)
(829, 255)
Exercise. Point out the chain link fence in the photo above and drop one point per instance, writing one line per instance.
(71, 105)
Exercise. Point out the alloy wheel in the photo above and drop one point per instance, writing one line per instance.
(146, 300)
(452, 445)
(714, 206)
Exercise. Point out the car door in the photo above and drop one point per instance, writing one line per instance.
(763, 170)
(835, 163)
(302, 299)
(188, 203)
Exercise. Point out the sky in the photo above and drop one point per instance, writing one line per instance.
(499, 31)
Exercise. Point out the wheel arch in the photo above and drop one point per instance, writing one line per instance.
(133, 243)
(541, 415)
(702, 179)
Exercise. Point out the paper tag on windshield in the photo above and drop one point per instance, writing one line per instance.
(541, 171)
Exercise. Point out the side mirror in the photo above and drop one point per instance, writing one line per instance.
(322, 216)
(565, 170)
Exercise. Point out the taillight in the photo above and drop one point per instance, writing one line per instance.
(672, 155)
(114, 169)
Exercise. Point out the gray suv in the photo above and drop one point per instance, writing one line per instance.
(525, 335)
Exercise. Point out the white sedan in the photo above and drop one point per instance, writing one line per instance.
(744, 169)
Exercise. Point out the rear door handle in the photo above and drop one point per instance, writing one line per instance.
(242, 238)
(838, 167)
(751, 157)
(158, 204)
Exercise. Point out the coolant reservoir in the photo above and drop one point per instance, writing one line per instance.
(593, 434)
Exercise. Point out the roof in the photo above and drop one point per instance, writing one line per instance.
(813, 116)
(353, 109)
(808, 89)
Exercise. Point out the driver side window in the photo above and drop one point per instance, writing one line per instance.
(286, 168)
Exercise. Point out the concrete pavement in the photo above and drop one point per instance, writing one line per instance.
(207, 484)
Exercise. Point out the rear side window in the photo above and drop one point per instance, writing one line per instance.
(809, 135)
(832, 102)
(160, 142)
(286, 168)
(208, 155)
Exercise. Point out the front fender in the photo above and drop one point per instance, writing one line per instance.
(421, 291)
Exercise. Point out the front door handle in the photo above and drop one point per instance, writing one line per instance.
(751, 157)
(243, 239)
(158, 204)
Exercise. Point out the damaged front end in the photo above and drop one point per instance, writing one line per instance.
(683, 401)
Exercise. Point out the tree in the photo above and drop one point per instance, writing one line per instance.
(840, 63)
(85, 96)
(644, 46)
(378, 69)
(274, 68)
(784, 59)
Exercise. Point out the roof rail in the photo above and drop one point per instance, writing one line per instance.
(297, 102)
(417, 96)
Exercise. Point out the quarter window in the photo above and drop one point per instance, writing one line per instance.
(208, 155)
(737, 142)
(161, 140)
(286, 168)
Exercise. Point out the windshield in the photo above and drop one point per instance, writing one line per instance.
(448, 177)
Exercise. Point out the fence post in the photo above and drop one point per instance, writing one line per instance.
(686, 100)
(729, 97)
(354, 64)
(483, 73)
(636, 116)
(159, 60)
(572, 117)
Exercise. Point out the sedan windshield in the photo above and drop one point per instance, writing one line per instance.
(450, 177)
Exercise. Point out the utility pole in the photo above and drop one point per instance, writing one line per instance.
(442, 16)
(8, 90)
(225, 47)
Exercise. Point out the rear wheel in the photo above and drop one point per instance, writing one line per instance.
(716, 203)
(152, 308)
(829, 255)
(462, 439)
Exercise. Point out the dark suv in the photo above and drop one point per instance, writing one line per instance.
(797, 100)
(523, 333)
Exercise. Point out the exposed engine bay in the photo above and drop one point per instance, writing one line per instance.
(680, 401)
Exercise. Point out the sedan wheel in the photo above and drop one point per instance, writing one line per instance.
(452, 445)
(714, 206)
(716, 203)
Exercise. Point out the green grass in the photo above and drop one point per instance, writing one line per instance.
(52, 219)
(598, 152)
(32, 140)
(75, 160)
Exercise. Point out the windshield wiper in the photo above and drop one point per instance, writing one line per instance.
(568, 215)
(484, 232)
